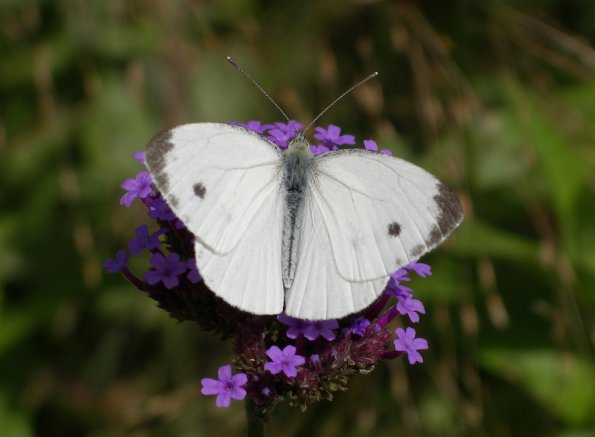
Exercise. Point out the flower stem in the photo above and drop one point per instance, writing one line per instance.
(255, 427)
(133, 279)
(387, 316)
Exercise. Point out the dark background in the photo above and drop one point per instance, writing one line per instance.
(495, 97)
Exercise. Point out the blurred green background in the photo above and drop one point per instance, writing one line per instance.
(496, 98)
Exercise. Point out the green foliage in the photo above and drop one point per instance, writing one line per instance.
(564, 383)
(498, 100)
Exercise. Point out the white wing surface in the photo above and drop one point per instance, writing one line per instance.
(223, 182)
(365, 215)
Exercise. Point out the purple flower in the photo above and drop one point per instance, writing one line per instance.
(317, 150)
(321, 328)
(400, 276)
(411, 307)
(397, 290)
(296, 326)
(227, 387)
(140, 157)
(144, 241)
(160, 210)
(421, 269)
(285, 360)
(406, 342)
(394, 287)
(292, 126)
(254, 125)
(193, 275)
(310, 330)
(358, 326)
(331, 136)
(281, 133)
(118, 264)
(373, 147)
(280, 138)
(165, 270)
(139, 187)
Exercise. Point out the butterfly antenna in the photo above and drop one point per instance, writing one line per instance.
(361, 82)
(251, 79)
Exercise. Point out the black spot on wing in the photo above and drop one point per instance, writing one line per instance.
(394, 229)
(157, 150)
(199, 190)
(449, 217)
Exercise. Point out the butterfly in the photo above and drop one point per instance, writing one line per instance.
(314, 236)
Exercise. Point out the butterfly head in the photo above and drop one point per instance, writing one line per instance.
(299, 144)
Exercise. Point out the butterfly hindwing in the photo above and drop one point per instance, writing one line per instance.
(223, 182)
(249, 276)
(317, 291)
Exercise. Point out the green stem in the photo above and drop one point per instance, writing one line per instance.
(255, 427)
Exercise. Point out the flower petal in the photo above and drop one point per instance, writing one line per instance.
(274, 353)
(223, 399)
(210, 386)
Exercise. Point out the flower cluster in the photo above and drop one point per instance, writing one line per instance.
(277, 357)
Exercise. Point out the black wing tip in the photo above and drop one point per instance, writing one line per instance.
(155, 157)
(449, 218)
(160, 144)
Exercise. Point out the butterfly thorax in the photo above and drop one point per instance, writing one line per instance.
(297, 162)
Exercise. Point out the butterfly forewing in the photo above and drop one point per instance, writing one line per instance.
(249, 276)
(223, 182)
(215, 177)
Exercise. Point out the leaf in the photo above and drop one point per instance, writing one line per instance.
(14, 423)
(447, 288)
(16, 325)
(562, 168)
(562, 382)
(481, 239)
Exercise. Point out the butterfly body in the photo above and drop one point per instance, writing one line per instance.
(314, 236)
(297, 163)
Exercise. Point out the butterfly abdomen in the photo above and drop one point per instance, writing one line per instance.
(296, 169)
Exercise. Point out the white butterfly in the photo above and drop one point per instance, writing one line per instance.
(314, 236)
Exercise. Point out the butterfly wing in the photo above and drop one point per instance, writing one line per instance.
(365, 216)
(223, 182)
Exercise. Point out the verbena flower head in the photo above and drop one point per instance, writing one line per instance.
(277, 358)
